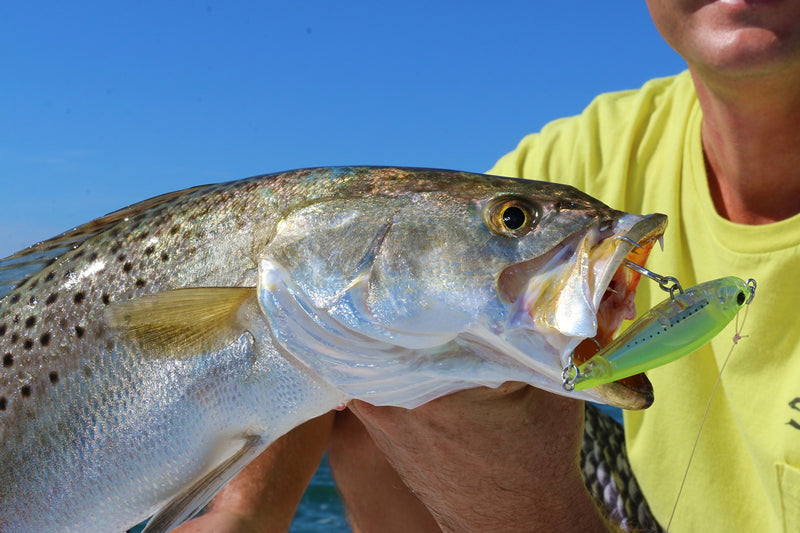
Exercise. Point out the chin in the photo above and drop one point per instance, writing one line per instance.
(732, 37)
(744, 52)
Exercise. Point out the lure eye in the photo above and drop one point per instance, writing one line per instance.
(740, 298)
(511, 217)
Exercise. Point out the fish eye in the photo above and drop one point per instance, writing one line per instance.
(511, 217)
(514, 217)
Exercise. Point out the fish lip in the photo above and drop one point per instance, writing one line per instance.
(634, 392)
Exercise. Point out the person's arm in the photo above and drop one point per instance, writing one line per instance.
(264, 497)
(375, 497)
(491, 459)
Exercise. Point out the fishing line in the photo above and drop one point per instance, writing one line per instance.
(736, 338)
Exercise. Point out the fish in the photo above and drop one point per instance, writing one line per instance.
(149, 355)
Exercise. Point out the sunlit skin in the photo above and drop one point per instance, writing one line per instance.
(744, 57)
(732, 40)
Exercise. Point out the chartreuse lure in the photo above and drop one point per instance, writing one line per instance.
(676, 327)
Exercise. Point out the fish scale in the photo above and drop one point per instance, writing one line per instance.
(58, 344)
(66, 320)
(149, 355)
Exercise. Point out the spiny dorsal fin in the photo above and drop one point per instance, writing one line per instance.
(17, 268)
(181, 322)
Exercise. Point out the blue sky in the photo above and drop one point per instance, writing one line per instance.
(104, 104)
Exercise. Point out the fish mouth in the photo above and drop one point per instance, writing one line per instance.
(578, 294)
(616, 305)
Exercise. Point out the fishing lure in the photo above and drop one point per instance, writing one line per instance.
(675, 327)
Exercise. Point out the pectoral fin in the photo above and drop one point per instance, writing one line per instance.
(192, 499)
(181, 322)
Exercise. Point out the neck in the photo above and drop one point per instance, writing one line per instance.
(751, 141)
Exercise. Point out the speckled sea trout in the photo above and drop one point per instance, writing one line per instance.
(149, 355)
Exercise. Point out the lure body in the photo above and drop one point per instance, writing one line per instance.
(676, 327)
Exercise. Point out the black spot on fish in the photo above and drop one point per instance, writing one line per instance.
(116, 248)
(174, 229)
(3, 403)
(30, 322)
(149, 250)
(93, 257)
(28, 344)
(79, 297)
(87, 372)
(68, 274)
(53, 377)
(2, 329)
(164, 256)
(105, 298)
(8, 360)
(50, 276)
(33, 284)
(44, 340)
(140, 283)
(25, 391)
(142, 236)
(14, 337)
(51, 299)
(79, 255)
(14, 299)
(16, 319)
(127, 267)
(121, 258)
(79, 331)
(109, 346)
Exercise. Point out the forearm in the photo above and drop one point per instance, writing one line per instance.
(264, 496)
(495, 461)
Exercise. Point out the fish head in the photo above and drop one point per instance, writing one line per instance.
(512, 272)
(563, 306)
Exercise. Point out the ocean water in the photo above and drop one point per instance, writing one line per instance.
(320, 510)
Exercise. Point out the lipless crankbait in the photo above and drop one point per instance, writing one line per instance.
(676, 327)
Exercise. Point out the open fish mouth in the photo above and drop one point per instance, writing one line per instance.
(617, 305)
(578, 294)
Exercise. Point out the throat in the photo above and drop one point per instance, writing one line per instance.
(752, 200)
(744, 175)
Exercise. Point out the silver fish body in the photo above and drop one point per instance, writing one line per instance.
(149, 355)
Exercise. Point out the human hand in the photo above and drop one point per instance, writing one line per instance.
(490, 459)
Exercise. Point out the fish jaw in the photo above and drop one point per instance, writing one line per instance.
(571, 301)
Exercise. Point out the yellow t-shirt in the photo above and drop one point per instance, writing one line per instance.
(640, 151)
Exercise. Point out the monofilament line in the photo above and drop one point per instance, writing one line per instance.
(736, 338)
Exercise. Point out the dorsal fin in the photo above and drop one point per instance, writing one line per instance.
(18, 268)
